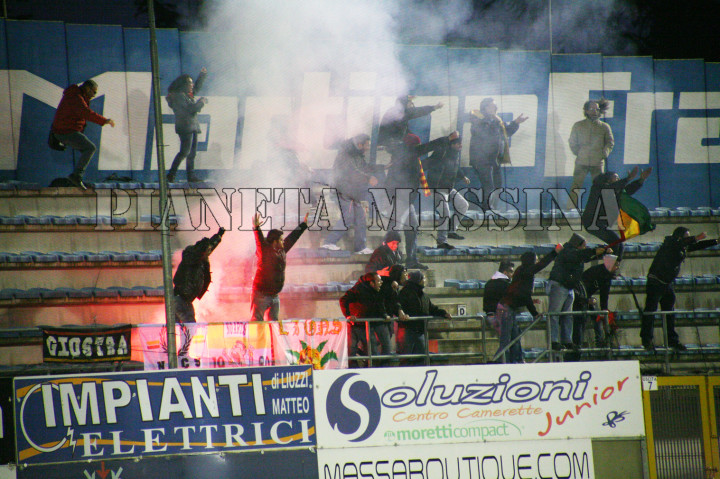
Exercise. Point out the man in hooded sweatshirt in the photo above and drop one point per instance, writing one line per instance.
(601, 211)
(564, 278)
(664, 269)
(364, 301)
(415, 303)
(192, 277)
(595, 279)
(518, 296)
(271, 259)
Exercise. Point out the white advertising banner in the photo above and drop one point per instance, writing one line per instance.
(523, 459)
(458, 404)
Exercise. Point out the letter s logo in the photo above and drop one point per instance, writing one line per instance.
(353, 408)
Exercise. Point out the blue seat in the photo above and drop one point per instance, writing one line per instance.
(64, 220)
(19, 258)
(119, 257)
(500, 250)
(451, 283)
(152, 185)
(12, 220)
(632, 247)
(105, 185)
(101, 292)
(339, 254)
(9, 293)
(470, 284)
(327, 288)
(345, 287)
(94, 257)
(38, 220)
(705, 279)
(76, 293)
(145, 256)
(435, 252)
(458, 251)
(152, 291)
(39, 257)
(32, 293)
(68, 257)
(126, 292)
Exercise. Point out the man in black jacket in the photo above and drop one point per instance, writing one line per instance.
(518, 296)
(490, 145)
(193, 276)
(595, 279)
(495, 289)
(443, 171)
(386, 255)
(352, 176)
(405, 173)
(364, 300)
(415, 303)
(664, 269)
(271, 259)
(394, 123)
(564, 277)
(601, 210)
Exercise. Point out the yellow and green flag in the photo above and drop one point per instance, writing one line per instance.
(634, 218)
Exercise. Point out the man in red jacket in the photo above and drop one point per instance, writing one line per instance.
(72, 114)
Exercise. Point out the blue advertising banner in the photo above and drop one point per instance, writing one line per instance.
(663, 113)
(273, 464)
(119, 415)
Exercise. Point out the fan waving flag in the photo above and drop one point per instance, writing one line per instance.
(634, 218)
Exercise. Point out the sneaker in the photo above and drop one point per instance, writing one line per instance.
(194, 179)
(571, 346)
(76, 180)
(417, 265)
(171, 177)
(678, 346)
(331, 247)
(445, 246)
(365, 251)
(455, 236)
(556, 346)
(648, 346)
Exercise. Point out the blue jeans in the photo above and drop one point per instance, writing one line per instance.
(509, 330)
(263, 302)
(78, 141)
(560, 299)
(353, 214)
(188, 149)
(413, 343)
(184, 310)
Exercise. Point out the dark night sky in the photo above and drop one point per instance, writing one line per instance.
(661, 28)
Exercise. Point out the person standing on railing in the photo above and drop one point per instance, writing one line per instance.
(595, 279)
(271, 257)
(664, 269)
(68, 125)
(192, 277)
(415, 302)
(494, 291)
(181, 98)
(364, 301)
(518, 296)
(601, 212)
(565, 276)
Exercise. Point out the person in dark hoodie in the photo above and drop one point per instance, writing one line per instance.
(664, 269)
(271, 259)
(601, 211)
(565, 276)
(386, 255)
(517, 296)
(353, 176)
(443, 171)
(68, 125)
(595, 279)
(414, 303)
(181, 98)
(405, 172)
(193, 276)
(394, 123)
(364, 301)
